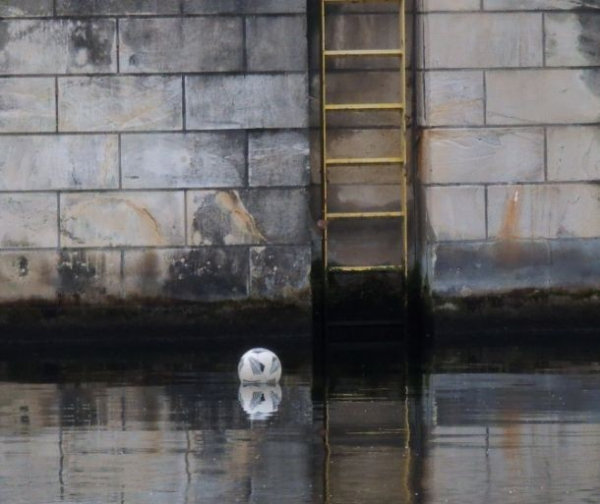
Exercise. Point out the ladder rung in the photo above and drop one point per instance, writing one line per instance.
(364, 52)
(365, 106)
(364, 215)
(363, 161)
(366, 269)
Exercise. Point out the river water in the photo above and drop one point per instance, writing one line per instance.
(356, 425)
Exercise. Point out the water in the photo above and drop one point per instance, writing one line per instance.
(362, 426)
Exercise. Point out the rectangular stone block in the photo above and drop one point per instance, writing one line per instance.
(28, 275)
(480, 268)
(54, 162)
(280, 272)
(538, 4)
(244, 6)
(483, 156)
(113, 219)
(574, 153)
(120, 103)
(184, 160)
(572, 39)
(28, 220)
(450, 5)
(247, 101)
(456, 213)
(116, 7)
(256, 217)
(544, 211)
(483, 40)
(276, 43)
(89, 275)
(25, 8)
(172, 45)
(279, 158)
(454, 99)
(27, 105)
(202, 274)
(543, 96)
(58, 46)
(575, 264)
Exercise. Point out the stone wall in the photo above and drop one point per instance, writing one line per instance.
(153, 149)
(510, 147)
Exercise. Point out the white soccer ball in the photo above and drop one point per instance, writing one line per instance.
(259, 365)
(260, 402)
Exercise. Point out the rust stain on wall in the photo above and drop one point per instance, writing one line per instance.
(508, 248)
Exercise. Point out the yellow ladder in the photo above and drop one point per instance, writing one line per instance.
(328, 163)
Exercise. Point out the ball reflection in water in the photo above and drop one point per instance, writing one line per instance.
(259, 401)
(259, 365)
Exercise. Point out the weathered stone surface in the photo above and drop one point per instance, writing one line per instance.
(276, 43)
(257, 217)
(450, 5)
(247, 6)
(543, 96)
(278, 158)
(367, 31)
(25, 8)
(492, 267)
(58, 162)
(122, 219)
(574, 153)
(572, 39)
(28, 220)
(204, 274)
(222, 218)
(575, 264)
(456, 213)
(364, 198)
(539, 4)
(27, 105)
(483, 40)
(474, 156)
(181, 160)
(120, 103)
(28, 275)
(279, 272)
(454, 98)
(247, 101)
(544, 211)
(116, 7)
(89, 275)
(356, 243)
(57, 46)
(166, 45)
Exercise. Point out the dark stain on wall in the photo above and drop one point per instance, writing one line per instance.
(88, 38)
(76, 275)
(23, 266)
(587, 4)
(208, 274)
(4, 36)
(589, 45)
(589, 39)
